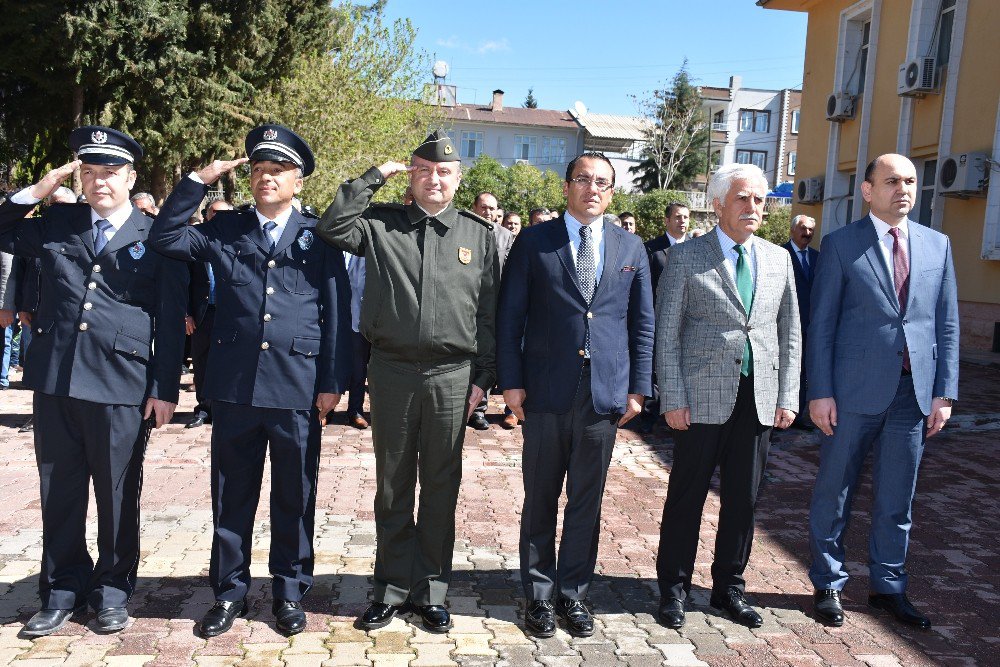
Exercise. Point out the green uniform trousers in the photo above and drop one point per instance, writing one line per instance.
(418, 427)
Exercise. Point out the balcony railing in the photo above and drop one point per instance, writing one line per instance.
(720, 127)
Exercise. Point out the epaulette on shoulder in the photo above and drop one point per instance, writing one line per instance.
(472, 216)
(392, 205)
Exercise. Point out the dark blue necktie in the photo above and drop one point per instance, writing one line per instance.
(101, 237)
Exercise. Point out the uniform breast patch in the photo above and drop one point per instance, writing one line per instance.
(464, 255)
(306, 240)
(137, 250)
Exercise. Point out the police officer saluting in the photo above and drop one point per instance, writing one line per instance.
(428, 311)
(109, 301)
(278, 362)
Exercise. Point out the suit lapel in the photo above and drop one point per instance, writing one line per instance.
(290, 232)
(877, 260)
(564, 252)
(255, 233)
(719, 260)
(917, 260)
(612, 244)
(128, 234)
(84, 228)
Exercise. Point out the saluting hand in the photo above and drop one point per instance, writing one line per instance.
(390, 169)
(53, 180)
(214, 171)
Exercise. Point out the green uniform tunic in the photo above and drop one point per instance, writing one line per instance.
(428, 310)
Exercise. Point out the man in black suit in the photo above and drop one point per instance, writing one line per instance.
(675, 225)
(804, 260)
(108, 339)
(199, 323)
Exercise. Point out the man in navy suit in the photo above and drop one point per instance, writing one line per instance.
(279, 361)
(883, 372)
(108, 339)
(576, 291)
(803, 265)
(676, 218)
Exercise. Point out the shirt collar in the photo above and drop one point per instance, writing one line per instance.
(882, 227)
(728, 244)
(416, 213)
(573, 227)
(281, 219)
(117, 218)
(674, 239)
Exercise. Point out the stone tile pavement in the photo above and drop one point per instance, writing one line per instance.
(954, 562)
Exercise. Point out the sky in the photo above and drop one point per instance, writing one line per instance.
(605, 53)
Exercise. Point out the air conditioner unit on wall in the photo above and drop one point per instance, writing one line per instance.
(810, 191)
(963, 175)
(917, 77)
(840, 106)
(520, 161)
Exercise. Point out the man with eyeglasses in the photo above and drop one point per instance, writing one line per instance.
(574, 353)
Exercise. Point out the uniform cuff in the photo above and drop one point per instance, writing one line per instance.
(24, 198)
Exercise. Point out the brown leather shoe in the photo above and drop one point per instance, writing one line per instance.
(509, 422)
(359, 422)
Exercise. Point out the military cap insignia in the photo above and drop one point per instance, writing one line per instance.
(99, 137)
(270, 134)
(464, 255)
(447, 149)
(306, 240)
(137, 250)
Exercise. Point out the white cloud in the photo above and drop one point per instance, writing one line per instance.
(451, 43)
(492, 46)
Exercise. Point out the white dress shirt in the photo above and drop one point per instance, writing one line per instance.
(882, 231)
(281, 220)
(596, 235)
(729, 251)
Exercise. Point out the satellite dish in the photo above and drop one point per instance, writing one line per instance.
(440, 69)
(580, 107)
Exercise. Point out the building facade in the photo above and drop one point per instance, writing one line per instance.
(919, 78)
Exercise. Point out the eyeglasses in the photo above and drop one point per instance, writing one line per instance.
(603, 184)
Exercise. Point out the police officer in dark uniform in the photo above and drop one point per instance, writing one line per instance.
(278, 363)
(429, 305)
(107, 302)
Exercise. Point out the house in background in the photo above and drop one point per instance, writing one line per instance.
(919, 78)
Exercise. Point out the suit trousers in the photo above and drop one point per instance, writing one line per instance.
(77, 442)
(201, 340)
(359, 373)
(896, 438)
(418, 429)
(575, 446)
(738, 448)
(241, 436)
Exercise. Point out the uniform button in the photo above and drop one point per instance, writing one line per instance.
(270, 290)
(39, 330)
(265, 345)
(92, 285)
(739, 361)
(88, 306)
(590, 316)
(271, 264)
(267, 317)
(97, 268)
(83, 326)
(581, 352)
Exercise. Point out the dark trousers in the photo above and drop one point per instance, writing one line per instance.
(359, 373)
(575, 446)
(739, 448)
(201, 340)
(418, 428)
(241, 436)
(77, 442)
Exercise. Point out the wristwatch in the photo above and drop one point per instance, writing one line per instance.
(950, 401)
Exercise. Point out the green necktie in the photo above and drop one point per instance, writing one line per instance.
(744, 285)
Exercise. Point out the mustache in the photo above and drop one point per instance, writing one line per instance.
(749, 216)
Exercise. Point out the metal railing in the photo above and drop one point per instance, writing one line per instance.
(720, 127)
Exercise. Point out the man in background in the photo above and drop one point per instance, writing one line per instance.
(803, 262)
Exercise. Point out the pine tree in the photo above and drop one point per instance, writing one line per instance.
(530, 102)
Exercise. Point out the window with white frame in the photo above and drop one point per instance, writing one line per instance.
(472, 144)
(925, 206)
(862, 66)
(755, 120)
(553, 150)
(746, 120)
(945, 27)
(792, 156)
(525, 147)
(758, 158)
(794, 124)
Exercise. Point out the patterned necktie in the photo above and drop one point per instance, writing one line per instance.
(101, 237)
(269, 227)
(586, 274)
(744, 285)
(901, 280)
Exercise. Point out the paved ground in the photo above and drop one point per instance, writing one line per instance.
(954, 562)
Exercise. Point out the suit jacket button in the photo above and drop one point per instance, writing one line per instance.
(267, 317)
(581, 352)
(265, 345)
(271, 264)
(97, 268)
(269, 290)
(39, 330)
(590, 316)
(92, 285)
(83, 326)
(88, 306)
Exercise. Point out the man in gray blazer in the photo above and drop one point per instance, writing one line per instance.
(727, 357)
(883, 372)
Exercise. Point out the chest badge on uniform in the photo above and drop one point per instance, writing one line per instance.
(306, 240)
(464, 255)
(137, 250)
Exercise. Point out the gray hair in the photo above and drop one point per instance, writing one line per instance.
(722, 180)
(143, 195)
(801, 218)
(62, 195)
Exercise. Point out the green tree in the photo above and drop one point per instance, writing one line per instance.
(650, 208)
(530, 102)
(519, 188)
(677, 135)
(776, 227)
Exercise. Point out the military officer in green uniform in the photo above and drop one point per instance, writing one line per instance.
(428, 311)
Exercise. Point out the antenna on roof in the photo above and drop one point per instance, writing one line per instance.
(580, 107)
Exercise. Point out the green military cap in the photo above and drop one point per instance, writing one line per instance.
(437, 147)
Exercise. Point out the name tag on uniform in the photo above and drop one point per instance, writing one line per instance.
(464, 255)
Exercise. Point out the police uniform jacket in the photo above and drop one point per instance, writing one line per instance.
(282, 318)
(430, 290)
(99, 316)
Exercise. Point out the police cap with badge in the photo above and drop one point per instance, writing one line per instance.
(437, 147)
(277, 143)
(95, 144)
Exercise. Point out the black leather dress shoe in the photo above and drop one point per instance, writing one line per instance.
(732, 602)
(671, 613)
(47, 621)
(27, 427)
(221, 616)
(199, 419)
(112, 619)
(379, 614)
(828, 608)
(288, 616)
(436, 618)
(579, 622)
(900, 607)
(478, 422)
(540, 619)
